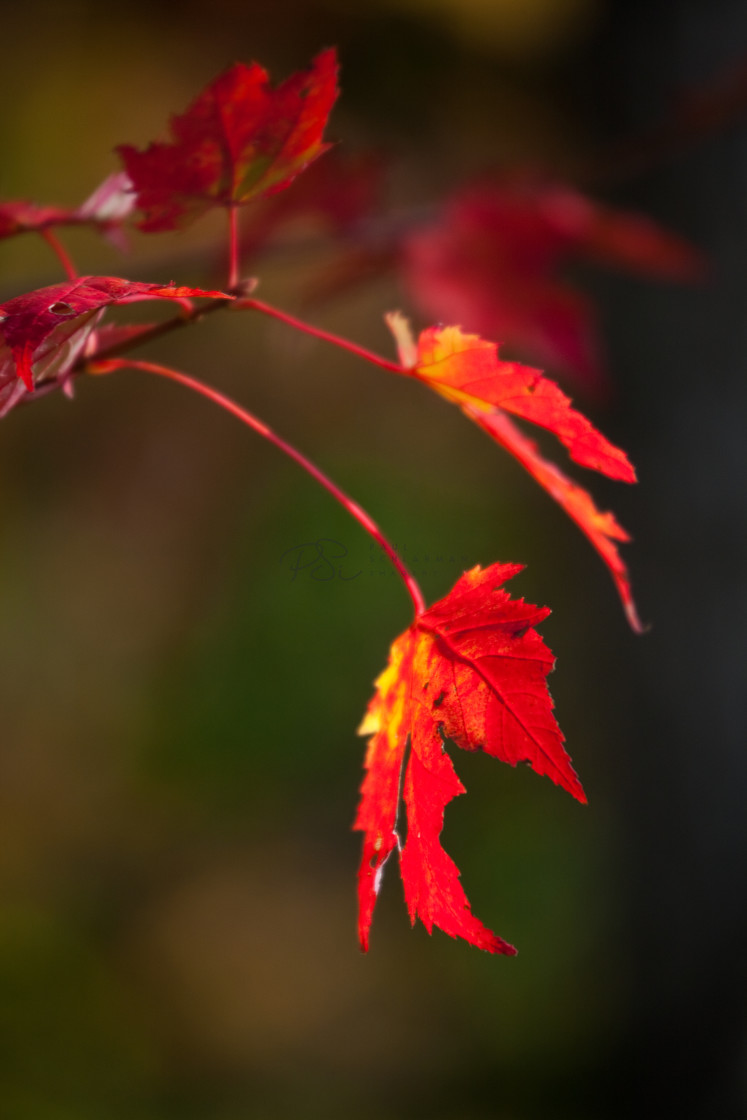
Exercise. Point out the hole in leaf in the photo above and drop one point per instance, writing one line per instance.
(400, 819)
(62, 308)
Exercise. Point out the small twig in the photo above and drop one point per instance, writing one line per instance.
(97, 367)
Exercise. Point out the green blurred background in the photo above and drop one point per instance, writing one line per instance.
(179, 769)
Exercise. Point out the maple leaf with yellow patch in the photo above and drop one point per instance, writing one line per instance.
(472, 669)
(468, 371)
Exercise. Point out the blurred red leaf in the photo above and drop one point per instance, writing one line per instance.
(110, 204)
(239, 139)
(44, 332)
(337, 192)
(493, 259)
(106, 209)
(19, 216)
(472, 669)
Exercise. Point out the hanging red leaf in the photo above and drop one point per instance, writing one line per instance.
(467, 370)
(43, 332)
(493, 260)
(471, 669)
(239, 139)
(600, 527)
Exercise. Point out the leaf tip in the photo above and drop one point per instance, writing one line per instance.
(407, 347)
(23, 365)
(633, 618)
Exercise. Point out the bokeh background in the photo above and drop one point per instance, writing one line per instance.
(179, 770)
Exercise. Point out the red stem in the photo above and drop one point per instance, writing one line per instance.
(60, 252)
(251, 421)
(233, 247)
(317, 332)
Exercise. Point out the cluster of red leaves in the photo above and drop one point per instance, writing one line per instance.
(45, 332)
(239, 140)
(471, 668)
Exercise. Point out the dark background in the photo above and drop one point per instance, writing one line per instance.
(179, 769)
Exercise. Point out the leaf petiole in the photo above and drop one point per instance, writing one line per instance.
(233, 246)
(250, 304)
(60, 252)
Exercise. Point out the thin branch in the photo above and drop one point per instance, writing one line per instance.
(316, 332)
(246, 417)
(60, 252)
(233, 247)
(157, 331)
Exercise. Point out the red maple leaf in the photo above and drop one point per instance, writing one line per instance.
(601, 527)
(239, 139)
(493, 260)
(471, 669)
(467, 370)
(43, 332)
